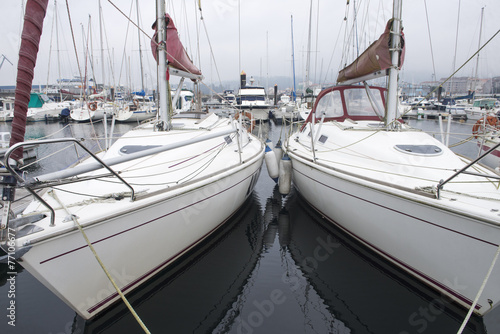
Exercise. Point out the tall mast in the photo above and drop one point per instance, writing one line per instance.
(58, 55)
(456, 45)
(392, 91)
(308, 61)
(102, 45)
(162, 64)
(479, 46)
(294, 94)
(140, 48)
(239, 37)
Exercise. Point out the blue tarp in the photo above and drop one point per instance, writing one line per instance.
(141, 93)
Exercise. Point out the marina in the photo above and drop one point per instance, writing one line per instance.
(273, 244)
(350, 203)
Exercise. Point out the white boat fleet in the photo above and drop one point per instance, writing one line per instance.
(395, 189)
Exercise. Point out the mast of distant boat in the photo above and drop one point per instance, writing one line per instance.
(102, 49)
(308, 58)
(479, 47)
(140, 49)
(58, 48)
(294, 94)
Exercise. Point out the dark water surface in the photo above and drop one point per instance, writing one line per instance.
(275, 267)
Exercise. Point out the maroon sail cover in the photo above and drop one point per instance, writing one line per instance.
(377, 57)
(176, 54)
(30, 39)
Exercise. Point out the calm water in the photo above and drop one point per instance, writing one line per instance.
(275, 267)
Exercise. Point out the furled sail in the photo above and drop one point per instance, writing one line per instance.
(177, 56)
(30, 39)
(376, 58)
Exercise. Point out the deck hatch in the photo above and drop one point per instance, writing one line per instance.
(426, 150)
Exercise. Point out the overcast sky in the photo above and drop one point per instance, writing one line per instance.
(264, 33)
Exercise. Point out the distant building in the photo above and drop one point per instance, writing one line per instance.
(495, 85)
(456, 85)
(464, 85)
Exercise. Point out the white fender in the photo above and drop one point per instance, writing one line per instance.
(285, 175)
(278, 151)
(271, 163)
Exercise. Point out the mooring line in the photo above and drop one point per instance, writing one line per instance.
(136, 316)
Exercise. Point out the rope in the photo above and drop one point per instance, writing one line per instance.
(479, 292)
(462, 142)
(54, 195)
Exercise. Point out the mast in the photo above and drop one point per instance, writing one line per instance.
(294, 94)
(392, 90)
(479, 47)
(456, 44)
(239, 36)
(140, 48)
(58, 49)
(308, 61)
(162, 64)
(267, 61)
(102, 46)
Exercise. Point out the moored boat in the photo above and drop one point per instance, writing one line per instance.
(135, 208)
(397, 190)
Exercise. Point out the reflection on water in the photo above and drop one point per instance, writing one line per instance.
(361, 290)
(275, 267)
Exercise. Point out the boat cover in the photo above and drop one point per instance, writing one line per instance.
(177, 56)
(376, 58)
(30, 40)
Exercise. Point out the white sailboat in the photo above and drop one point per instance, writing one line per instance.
(140, 109)
(164, 188)
(396, 189)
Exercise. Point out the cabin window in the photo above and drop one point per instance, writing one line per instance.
(358, 102)
(330, 105)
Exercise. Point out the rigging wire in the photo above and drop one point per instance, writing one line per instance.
(74, 42)
(124, 60)
(50, 51)
(210, 46)
(430, 40)
(456, 45)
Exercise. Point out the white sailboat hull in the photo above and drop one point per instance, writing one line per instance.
(137, 116)
(437, 241)
(136, 245)
(182, 196)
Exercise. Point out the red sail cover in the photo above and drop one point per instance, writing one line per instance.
(377, 57)
(30, 39)
(177, 56)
